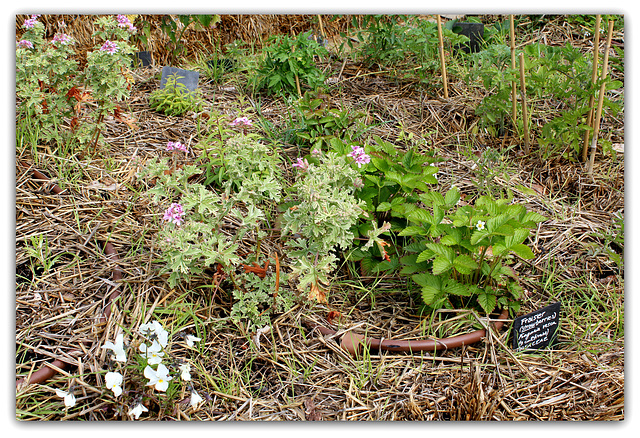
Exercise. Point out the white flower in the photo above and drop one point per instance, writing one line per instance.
(155, 329)
(195, 399)
(117, 348)
(191, 340)
(480, 225)
(113, 381)
(160, 378)
(69, 399)
(138, 410)
(154, 353)
(185, 370)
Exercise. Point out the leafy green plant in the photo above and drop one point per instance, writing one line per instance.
(407, 44)
(321, 210)
(69, 103)
(492, 67)
(320, 121)
(391, 184)
(469, 249)
(175, 98)
(175, 29)
(564, 73)
(204, 229)
(289, 64)
(257, 299)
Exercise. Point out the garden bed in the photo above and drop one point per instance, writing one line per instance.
(288, 372)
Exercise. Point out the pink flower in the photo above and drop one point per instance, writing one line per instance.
(242, 121)
(109, 47)
(174, 214)
(62, 38)
(358, 183)
(359, 155)
(29, 23)
(174, 145)
(123, 21)
(25, 44)
(316, 153)
(302, 164)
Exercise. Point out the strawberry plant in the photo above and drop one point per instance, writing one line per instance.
(468, 249)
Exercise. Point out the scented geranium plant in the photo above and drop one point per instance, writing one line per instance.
(201, 228)
(69, 104)
(322, 212)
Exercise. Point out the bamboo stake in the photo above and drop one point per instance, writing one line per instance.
(525, 116)
(324, 36)
(594, 76)
(514, 104)
(442, 63)
(596, 126)
(293, 50)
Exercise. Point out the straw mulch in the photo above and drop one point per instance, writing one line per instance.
(301, 375)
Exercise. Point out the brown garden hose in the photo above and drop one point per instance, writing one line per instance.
(46, 372)
(353, 342)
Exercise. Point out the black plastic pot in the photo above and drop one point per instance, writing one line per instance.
(473, 31)
(187, 77)
(141, 59)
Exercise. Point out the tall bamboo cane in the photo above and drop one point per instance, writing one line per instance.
(514, 104)
(596, 126)
(442, 63)
(525, 115)
(594, 77)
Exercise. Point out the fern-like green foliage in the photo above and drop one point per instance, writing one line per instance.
(175, 99)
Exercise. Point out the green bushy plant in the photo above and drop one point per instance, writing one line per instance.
(321, 212)
(319, 122)
(175, 99)
(469, 249)
(203, 229)
(287, 58)
(69, 104)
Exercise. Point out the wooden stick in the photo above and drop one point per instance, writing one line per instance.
(525, 116)
(596, 126)
(324, 36)
(514, 104)
(293, 49)
(594, 77)
(442, 63)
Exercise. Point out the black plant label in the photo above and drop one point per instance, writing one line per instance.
(536, 330)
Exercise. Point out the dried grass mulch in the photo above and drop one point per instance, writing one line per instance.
(297, 375)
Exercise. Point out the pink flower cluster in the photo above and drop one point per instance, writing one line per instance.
(174, 214)
(62, 38)
(302, 164)
(24, 44)
(359, 155)
(109, 47)
(123, 21)
(174, 145)
(29, 23)
(242, 121)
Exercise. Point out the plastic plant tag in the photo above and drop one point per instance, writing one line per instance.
(537, 329)
(187, 77)
(141, 59)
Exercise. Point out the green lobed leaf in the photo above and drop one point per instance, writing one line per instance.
(441, 265)
(412, 231)
(465, 264)
(522, 251)
(487, 301)
(442, 250)
(425, 255)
